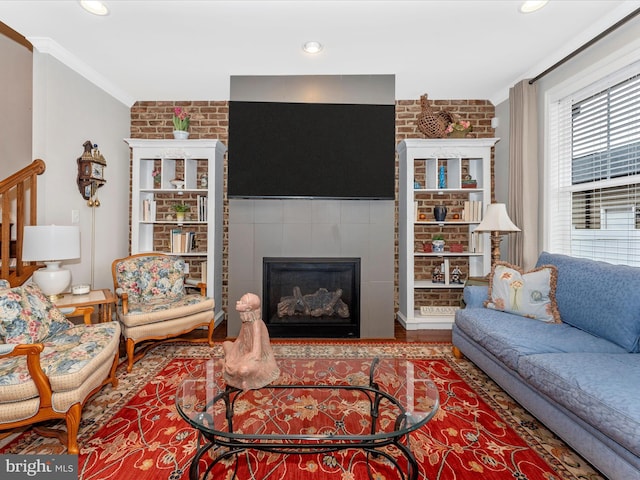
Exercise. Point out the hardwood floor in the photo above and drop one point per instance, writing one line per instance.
(220, 334)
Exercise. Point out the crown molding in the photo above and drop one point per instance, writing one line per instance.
(51, 47)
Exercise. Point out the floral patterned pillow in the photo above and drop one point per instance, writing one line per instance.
(530, 294)
(28, 316)
(149, 277)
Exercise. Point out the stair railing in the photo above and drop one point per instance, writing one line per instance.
(18, 205)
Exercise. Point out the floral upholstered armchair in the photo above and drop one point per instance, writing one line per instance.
(153, 304)
(49, 366)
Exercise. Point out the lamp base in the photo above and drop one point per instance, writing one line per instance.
(496, 238)
(52, 280)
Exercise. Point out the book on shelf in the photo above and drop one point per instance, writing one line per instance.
(203, 271)
(476, 242)
(202, 208)
(148, 210)
(472, 211)
(182, 242)
(445, 269)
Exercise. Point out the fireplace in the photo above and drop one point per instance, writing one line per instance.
(311, 297)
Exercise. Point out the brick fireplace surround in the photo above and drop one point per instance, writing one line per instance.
(209, 119)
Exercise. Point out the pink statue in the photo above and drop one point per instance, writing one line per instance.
(249, 362)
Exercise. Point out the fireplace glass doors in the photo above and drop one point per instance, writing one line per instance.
(311, 297)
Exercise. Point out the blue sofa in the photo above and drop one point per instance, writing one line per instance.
(581, 377)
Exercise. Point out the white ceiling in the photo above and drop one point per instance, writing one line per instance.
(187, 50)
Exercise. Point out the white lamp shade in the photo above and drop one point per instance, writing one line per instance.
(51, 244)
(45, 243)
(496, 219)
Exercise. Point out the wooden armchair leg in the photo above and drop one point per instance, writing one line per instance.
(112, 375)
(68, 437)
(74, 415)
(212, 326)
(457, 353)
(131, 346)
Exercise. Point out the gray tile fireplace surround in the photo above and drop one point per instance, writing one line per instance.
(315, 228)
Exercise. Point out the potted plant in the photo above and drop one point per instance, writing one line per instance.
(181, 121)
(438, 242)
(180, 209)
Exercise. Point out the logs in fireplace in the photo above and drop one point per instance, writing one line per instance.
(311, 297)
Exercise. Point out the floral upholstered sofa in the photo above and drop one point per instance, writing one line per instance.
(50, 366)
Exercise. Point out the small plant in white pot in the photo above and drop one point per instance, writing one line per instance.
(180, 209)
(438, 243)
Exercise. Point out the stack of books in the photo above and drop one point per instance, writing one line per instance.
(182, 242)
(148, 210)
(472, 211)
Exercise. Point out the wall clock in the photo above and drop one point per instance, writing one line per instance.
(91, 165)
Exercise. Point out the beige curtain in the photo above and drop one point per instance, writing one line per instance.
(523, 174)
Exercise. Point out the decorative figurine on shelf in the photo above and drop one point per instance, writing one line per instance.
(248, 361)
(456, 276)
(416, 185)
(437, 276)
(468, 182)
(442, 183)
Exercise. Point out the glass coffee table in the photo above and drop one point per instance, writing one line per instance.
(317, 405)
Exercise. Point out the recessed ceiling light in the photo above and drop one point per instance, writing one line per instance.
(312, 47)
(95, 7)
(531, 6)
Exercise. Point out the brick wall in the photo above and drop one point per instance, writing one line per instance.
(479, 113)
(210, 119)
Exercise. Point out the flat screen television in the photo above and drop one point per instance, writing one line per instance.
(311, 150)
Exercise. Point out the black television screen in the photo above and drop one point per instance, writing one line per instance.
(311, 150)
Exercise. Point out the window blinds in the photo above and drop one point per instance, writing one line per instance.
(594, 172)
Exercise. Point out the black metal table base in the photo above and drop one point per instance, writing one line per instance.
(234, 449)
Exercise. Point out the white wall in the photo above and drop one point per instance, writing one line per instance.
(67, 111)
(15, 105)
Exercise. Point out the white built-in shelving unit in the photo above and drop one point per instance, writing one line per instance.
(199, 164)
(431, 172)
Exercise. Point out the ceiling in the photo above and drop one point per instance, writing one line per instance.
(187, 50)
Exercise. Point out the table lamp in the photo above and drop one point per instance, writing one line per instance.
(497, 221)
(51, 244)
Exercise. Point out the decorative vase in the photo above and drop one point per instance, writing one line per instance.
(438, 245)
(180, 134)
(440, 212)
(442, 183)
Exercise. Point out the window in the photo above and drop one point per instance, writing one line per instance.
(593, 200)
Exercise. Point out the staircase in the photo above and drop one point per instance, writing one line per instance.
(18, 205)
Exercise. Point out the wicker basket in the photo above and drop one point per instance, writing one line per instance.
(433, 124)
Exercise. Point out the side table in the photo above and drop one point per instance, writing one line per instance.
(102, 299)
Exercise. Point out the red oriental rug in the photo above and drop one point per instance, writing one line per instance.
(135, 432)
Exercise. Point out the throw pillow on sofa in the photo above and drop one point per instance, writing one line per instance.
(28, 316)
(530, 294)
